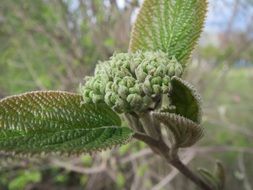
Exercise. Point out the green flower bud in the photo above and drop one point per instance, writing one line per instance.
(146, 101)
(91, 93)
(136, 89)
(156, 80)
(120, 105)
(178, 70)
(157, 89)
(110, 98)
(131, 81)
(108, 86)
(171, 70)
(175, 68)
(96, 98)
(123, 91)
(134, 100)
(141, 74)
(161, 71)
(166, 80)
(86, 97)
(165, 88)
(128, 82)
(147, 87)
(136, 60)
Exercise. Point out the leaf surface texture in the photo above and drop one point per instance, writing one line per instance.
(172, 26)
(50, 121)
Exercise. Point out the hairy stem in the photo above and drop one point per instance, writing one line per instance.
(148, 125)
(133, 122)
(154, 144)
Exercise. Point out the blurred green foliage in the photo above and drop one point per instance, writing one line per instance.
(51, 45)
(23, 179)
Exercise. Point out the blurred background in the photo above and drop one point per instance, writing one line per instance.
(53, 44)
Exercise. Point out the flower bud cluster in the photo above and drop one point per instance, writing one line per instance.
(131, 81)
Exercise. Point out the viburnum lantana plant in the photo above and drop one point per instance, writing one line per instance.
(143, 87)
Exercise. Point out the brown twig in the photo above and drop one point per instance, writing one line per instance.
(173, 173)
(189, 174)
(171, 156)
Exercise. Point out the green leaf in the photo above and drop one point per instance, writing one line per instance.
(172, 26)
(209, 178)
(186, 100)
(48, 122)
(185, 132)
(216, 178)
(219, 173)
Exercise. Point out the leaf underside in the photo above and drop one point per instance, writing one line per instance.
(172, 26)
(51, 122)
(185, 132)
(186, 100)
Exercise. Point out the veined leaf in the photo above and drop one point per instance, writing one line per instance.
(172, 26)
(47, 122)
(186, 100)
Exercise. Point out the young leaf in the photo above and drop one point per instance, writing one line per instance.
(172, 26)
(48, 122)
(209, 178)
(219, 173)
(216, 178)
(185, 132)
(186, 100)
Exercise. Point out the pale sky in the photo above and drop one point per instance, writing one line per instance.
(219, 13)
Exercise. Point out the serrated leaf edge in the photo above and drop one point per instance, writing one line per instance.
(36, 92)
(23, 154)
(134, 30)
(194, 93)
